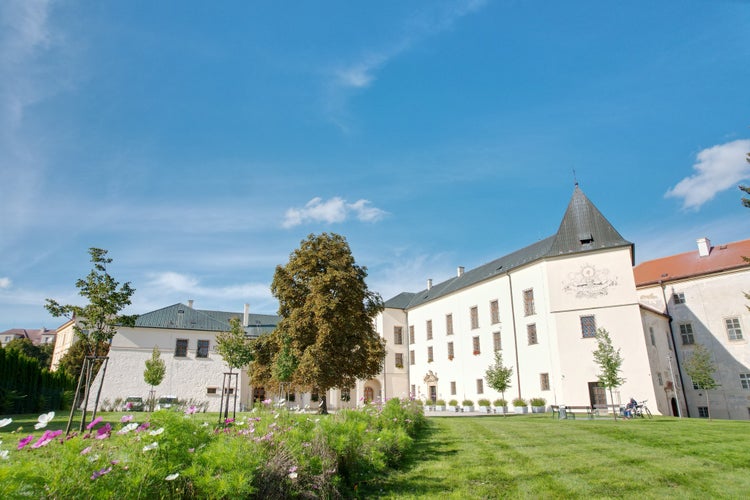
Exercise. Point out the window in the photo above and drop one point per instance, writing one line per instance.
(450, 350)
(411, 358)
(745, 380)
(181, 348)
(544, 381)
(429, 329)
(449, 324)
(429, 354)
(733, 329)
(703, 411)
(679, 298)
(588, 327)
(210, 390)
(411, 334)
(474, 313)
(528, 302)
(413, 390)
(659, 379)
(686, 332)
(453, 388)
(202, 351)
(475, 345)
(496, 341)
(398, 335)
(480, 386)
(696, 386)
(494, 312)
(531, 334)
(399, 360)
(651, 332)
(346, 394)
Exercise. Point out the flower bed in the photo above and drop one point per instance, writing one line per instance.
(264, 453)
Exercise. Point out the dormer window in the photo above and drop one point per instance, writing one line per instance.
(587, 240)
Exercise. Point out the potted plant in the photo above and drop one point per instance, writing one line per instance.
(467, 405)
(501, 406)
(520, 406)
(453, 405)
(440, 405)
(538, 405)
(484, 405)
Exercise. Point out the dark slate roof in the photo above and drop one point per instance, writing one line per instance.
(182, 317)
(581, 223)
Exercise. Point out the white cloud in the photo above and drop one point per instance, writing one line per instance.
(332, 211)
(5, 283)
(717, 168)
(170, 282)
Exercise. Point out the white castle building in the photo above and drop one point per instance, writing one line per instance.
(540, 306)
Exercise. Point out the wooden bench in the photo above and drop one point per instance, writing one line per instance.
(571, 411)
(604, 410)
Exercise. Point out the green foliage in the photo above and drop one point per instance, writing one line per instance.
(538, 401)
(609, 360)
(234, 346)
(440, 402)
(483, 402)
(155, 369)
(500, 403)
(452, 402)
(467, 402)
(700, 367)
(42, 353)
(260, 455)
(327, 317)
(519, 402)
(27, 387)
(498, 376)
(97, 321)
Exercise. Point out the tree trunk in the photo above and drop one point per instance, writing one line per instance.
(612, 398)
(708, 405)
(323, 407)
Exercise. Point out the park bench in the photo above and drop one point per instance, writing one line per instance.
(571, 411)
(604, 410)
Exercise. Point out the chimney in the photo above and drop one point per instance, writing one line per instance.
(704, 247)
(460, 271)
(429, 284)
(190, 303)
(246, 316)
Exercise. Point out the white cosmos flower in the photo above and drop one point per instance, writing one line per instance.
(156, 432)
(44, 419)
(128, 428)
(172, 477)
(5, 422)
(151, 446)
(4, 454)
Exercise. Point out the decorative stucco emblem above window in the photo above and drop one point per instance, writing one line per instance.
(430, 377)
(589, 282)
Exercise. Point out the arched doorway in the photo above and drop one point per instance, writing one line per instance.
(675, 409)
(369, 394)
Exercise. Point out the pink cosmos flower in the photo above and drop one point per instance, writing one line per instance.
(126, 418)
(46, 438)
(22, 443)
(93, 423)
(101, 472)
(103, 431)
(143, 427)
(86, 450)
(191, 410)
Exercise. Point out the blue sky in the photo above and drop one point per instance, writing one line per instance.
(199, 142)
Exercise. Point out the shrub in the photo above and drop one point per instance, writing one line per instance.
(467, 402)
(538, 401)
(483, 402)
(452, 402)
(519, 402)
(440, 402)
(500, 402)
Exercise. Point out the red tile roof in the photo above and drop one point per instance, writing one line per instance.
(690, 264)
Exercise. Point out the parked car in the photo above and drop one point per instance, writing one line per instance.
(166, 403)
(133, 403)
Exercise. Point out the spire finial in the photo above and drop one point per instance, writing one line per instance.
(575, 179)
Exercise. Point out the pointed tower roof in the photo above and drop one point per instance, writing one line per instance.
(584, 228)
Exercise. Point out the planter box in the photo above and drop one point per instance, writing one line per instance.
(453, 408)
(501, 409)
(538, 409)
(439, 408)
(467, 408)
(484, 409)
(521, 409)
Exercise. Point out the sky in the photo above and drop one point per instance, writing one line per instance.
(200, 142)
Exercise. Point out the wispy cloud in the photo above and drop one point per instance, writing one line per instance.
(5, 283)
(717, 169)
(334, 210)
(362, 72)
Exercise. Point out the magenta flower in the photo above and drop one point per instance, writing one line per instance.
(103, 431)
(22, 443)
(85, 450)
(126, 418)
(101, 472)
(143, 427)
(93, 423)
(191, 410)
(46, 438)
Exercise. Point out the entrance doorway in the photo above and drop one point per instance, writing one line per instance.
(675, 410)
(259, 394)
(597, 394)
(433, 393)
(369, 394)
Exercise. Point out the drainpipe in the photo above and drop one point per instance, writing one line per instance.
(674, 346)
(515, 336)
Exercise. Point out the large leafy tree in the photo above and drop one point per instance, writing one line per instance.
(701, 368)
(499, 376)
(609, 360)
(154, 373)
(97, 321)
(42, 353)
(327, 328)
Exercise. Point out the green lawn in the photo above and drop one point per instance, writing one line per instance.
(537, 456)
